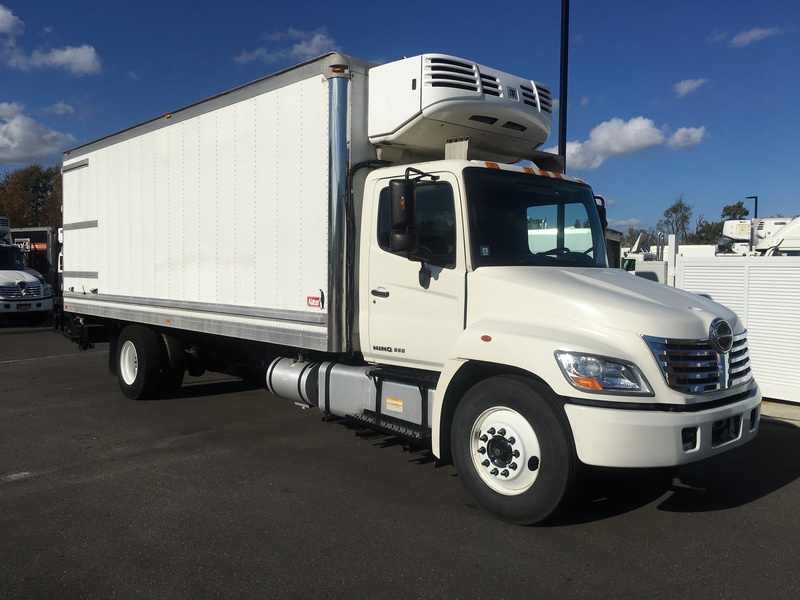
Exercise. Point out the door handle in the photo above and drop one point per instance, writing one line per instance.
(380, 293)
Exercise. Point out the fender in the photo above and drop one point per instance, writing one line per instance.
(530, 347)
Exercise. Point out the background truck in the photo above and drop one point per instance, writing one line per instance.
(23, 291)
(42, 249)
(763, 236)
(358, 234)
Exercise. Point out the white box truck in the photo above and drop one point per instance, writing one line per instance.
(358, 233)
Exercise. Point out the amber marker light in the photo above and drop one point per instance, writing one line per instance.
(486, 338)
(588, 382)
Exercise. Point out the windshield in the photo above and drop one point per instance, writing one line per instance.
(524, 219)
(11, 259)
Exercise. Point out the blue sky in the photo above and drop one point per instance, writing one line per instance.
(694, 98)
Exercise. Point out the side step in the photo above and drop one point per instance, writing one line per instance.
(391, 426)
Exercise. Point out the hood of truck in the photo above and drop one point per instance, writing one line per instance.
(15, 277)
(592, 298)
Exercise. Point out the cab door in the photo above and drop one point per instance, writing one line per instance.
(409, 324)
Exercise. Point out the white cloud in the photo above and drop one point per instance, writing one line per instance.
(624, 224)
(292, 44)
(687, 86)
(9, 110)
(687, 137)
(60, 108)
(745, 38)
(82, 60)
(10, 24)
(78, 60)
(618, 138)
(23, 140)
(613, 138)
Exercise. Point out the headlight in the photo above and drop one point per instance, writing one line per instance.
(47, 290)
(591, 373)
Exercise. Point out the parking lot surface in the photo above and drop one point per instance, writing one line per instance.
(231, 492)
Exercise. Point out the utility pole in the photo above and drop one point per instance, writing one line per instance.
(562, 94)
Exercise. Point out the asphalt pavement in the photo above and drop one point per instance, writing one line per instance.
(228, 492)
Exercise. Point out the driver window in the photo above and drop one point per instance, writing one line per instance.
(436, 223)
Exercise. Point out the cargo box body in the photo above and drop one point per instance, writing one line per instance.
(217, 218)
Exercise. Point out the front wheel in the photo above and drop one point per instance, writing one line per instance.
(513, 449)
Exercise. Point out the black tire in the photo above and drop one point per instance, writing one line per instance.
(513, 449)
(139, 362)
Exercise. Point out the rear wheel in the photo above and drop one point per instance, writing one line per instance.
(513, 449)
(139, 362)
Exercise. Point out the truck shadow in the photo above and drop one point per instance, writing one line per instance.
(731, 480)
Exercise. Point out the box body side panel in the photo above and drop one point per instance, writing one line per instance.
(224, 212)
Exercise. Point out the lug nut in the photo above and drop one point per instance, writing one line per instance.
(515, 454)
(486, 463)
(513, 466)
(493, 472)
(502, 432)
(504, 473)
(483, 438)
(492, 431)
(481, 450)
(512, 440)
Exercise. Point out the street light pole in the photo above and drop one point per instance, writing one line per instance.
(562, 94)
(755, 210)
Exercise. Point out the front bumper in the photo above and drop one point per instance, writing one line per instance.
(622, 437)
(25, 305)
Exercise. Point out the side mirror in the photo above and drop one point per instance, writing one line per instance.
(403, 243)
(404, 238)
(601, 210)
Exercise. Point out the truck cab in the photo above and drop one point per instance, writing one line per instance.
(23, 292)
(502, 277)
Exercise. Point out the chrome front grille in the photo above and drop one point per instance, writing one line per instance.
(693, 366)
(14, 291)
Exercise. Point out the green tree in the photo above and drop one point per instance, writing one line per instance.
(31, 196)
(676, 220)
(735, 211)
(705, 232)
(648, 236)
